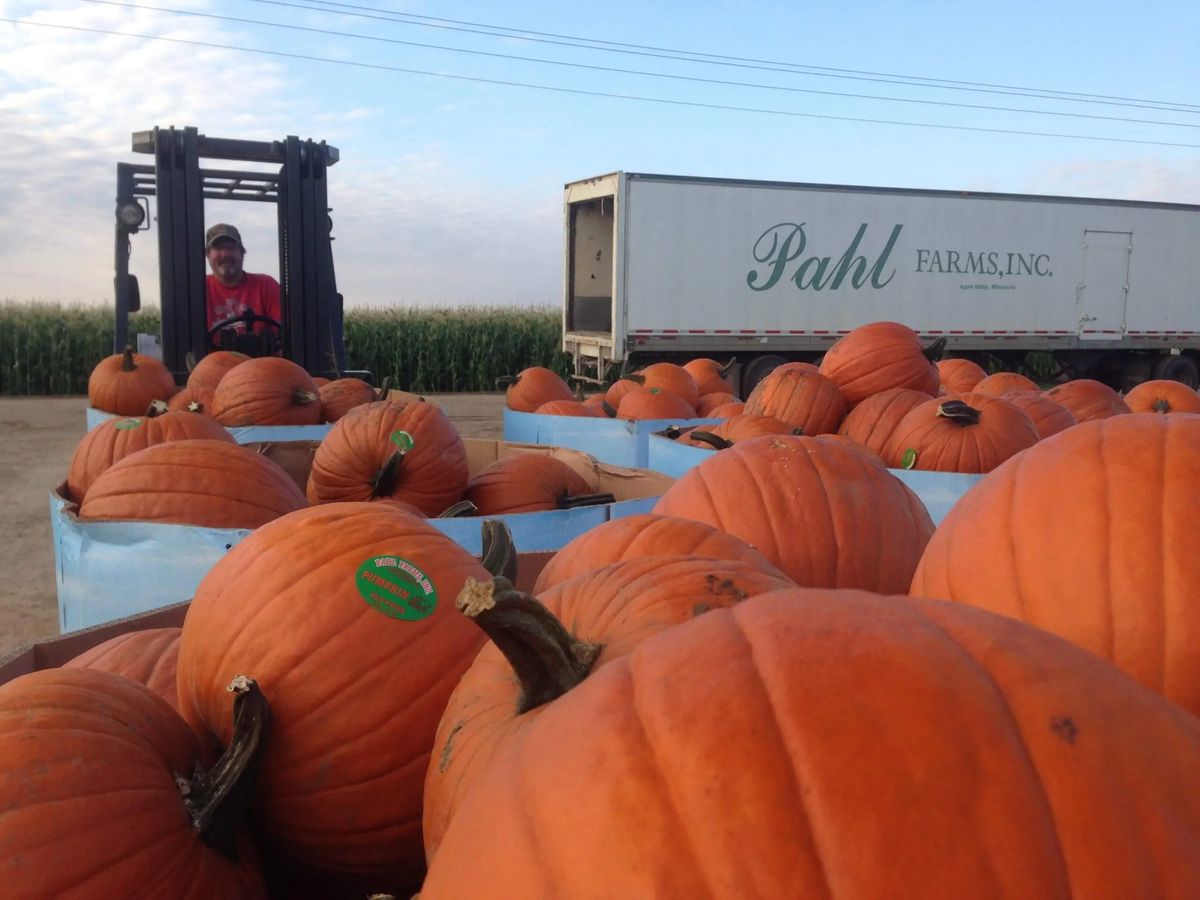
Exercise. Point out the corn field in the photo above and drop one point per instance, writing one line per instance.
(49, 348)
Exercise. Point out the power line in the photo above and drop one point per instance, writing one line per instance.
(606, 94)
(737, 61)
(638, 72)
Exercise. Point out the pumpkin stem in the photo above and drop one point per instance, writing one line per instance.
(934, 351)
(713, 440)
(673, 432)
(724, 370)
(572, 501)
(499, 552)
(506, 380)
(959, 413)
(303, 398)
(459, 510)
(636, 378)
(547, 660)
(1161, 406)
(156, 409)
(384, 482)
(195, 406)
(609, 409)
(384, 387)
(189, 360)
(217, 800)
(127, 363)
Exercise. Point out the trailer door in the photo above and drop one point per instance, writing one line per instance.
(1104, 290)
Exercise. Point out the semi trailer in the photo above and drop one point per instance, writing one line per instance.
(662, 267)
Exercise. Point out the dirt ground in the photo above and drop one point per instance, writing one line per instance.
(37, 437)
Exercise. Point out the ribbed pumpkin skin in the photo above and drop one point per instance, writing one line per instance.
(643, 403)
(804, 400)
(535, 386)
(212, 368)
(942, 445)
(114, 439)
(709, 402)
(341, 395)
(1113, 563)
(872, 422)
(355, 694)
(215, 484)
(91, 808)
(876, 357)
(526, 482)
(432, 476)
(827, 513)
(671, 379)
(878, 732)
(268, 390)
(727, 410)
(1088, 399)
(741, 427)
(1000, 383)
(640, 537)
(959, 375)
(570, 408)
(1048, 416)
(618, 606)
(617, 390)
(114, 390)
(1162, 396)
(707, 375)
(147, 657)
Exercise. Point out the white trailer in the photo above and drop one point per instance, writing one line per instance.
(661, 267)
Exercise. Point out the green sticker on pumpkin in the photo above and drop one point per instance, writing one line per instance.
(396, 588)
(127, 424)
(909, 459)
(403, 440)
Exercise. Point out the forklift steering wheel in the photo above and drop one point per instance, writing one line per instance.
(264, 343)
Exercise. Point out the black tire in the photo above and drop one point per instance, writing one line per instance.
(756, 370)
(1177, 368)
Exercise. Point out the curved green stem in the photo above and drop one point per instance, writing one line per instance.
(499, 551)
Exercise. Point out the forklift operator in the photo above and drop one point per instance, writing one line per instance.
(231, 290)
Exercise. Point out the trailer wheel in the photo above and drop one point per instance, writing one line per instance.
(756, 370)
(1178, 368)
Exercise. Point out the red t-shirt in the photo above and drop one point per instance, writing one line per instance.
(259, 293)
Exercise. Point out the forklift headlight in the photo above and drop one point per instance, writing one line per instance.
(130, 214)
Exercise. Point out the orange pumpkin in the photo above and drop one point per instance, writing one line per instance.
(208, 372)
(407, 451)
(127, 383)
(1047, 416)
(805, 400)
(529, 482)
(345, 612)
(1162, 396)
(644, 536)
(214, 484)
(959, 375)
(709, 402)
(879, 356)
(860, 525)
(268, 390)
(341, 395)
(114, 439)
(727, 410)
(1088, 399)
(668, 378)
(1092, 535)
(643, 403)
(960, 433)
(571, 408)
(190, 400)
(147, 657)
(871, 423)
(736, 428)
(846, 737)
(1000, 383)
(532, 387)
(711, 377)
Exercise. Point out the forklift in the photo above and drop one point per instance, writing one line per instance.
(311, 307)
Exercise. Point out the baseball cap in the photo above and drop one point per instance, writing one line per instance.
(221, 230)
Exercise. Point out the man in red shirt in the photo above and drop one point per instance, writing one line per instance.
(232, 290)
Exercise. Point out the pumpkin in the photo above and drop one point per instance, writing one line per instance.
(147, 657)
(571, 408)
(268, 390)
(879, 356)
(1000, 383)
(736, 428)
(114, 439)
(214, 484)
(643, 403)
(711, 377)
(346, 612)
(959, 375)
(529, 482)
(820, 509)
(1162, 396)
(802, 399)
(727, 410)
(670, 379)
(709, 402)
(592, 619)
(407, 451)
(1088, 399)
(617, 390)
(1092, 535)
(600, 401)
(190, 400)
(644, 536)
(871, 423)
(107, 793)
(1048, 416)
(961, 433)
(341, 395)
(532, 387)
(849, 739)
(208, 372)
(127, 383)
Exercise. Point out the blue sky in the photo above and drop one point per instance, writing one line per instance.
(449, 191)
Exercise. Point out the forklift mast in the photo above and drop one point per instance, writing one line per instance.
(311, 307)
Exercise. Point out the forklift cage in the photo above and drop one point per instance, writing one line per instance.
(311, 307)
